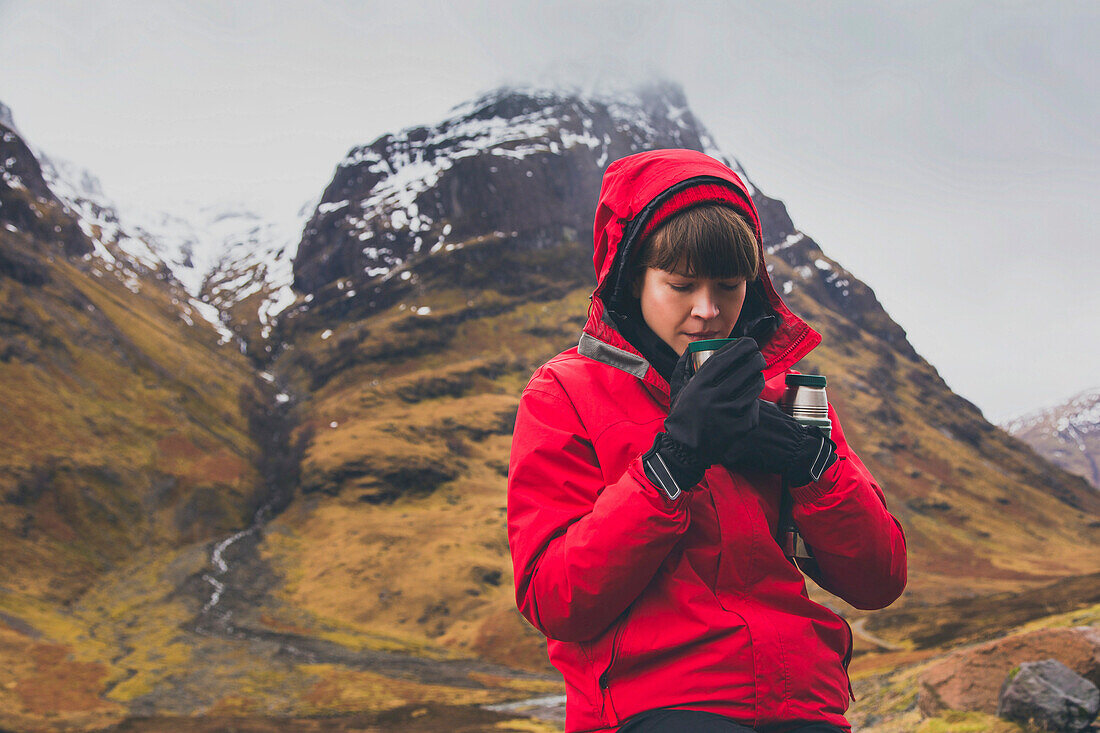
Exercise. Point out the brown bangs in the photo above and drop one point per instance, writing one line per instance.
(708, 241)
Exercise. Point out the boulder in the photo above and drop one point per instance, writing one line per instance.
(1050, 696)
(970, 679)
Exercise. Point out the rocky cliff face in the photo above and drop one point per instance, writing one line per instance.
(27, 205)
(428, 189)
(1067, 435)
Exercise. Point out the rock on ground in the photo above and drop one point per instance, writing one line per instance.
(1051, 696)
(970, 679)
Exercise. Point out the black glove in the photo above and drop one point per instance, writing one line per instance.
(780, 444)
(711, 410)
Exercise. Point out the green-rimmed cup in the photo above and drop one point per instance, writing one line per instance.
(700, 351)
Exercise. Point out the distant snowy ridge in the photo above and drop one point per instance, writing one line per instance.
(1067, 434)
(219, 254)
(1076, 417)
(224, 253)
(260, 258)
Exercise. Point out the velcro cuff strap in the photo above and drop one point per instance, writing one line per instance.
(656, 470)
(826, 454)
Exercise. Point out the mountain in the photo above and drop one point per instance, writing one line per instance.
(130, 435)
(314, 530)
(1068, 435)
(426, 237)
(429, 189)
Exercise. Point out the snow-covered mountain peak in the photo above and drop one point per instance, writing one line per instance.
(517, 122)
(396, 199)
(648, 109)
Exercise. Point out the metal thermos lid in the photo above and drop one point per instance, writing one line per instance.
(805, 380)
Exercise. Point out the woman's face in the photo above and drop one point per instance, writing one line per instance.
(682, 308)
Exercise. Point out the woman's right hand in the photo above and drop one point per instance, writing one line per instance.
(714, 408)
(718, 404)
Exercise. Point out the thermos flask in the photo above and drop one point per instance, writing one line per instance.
(804, 400)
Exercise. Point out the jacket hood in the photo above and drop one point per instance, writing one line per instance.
(633, 190)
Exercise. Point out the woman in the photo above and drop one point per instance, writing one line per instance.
(643, 501)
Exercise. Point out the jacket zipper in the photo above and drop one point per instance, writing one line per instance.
(603, 679)
(610, 715)
(848, 657)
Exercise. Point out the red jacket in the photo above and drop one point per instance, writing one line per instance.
(689, 604)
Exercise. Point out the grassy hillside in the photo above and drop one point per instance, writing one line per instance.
(127, 428)
(138, 445)
(126, 441)
(399, 527)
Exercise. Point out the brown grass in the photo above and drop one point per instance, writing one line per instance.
(123, 412)
(60, 685)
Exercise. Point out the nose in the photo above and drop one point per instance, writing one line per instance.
(705, 305)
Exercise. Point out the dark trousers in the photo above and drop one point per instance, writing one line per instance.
(695, 721)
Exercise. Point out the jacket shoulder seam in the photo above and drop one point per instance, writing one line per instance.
(564, 400)
(548, 393)
(620, 422)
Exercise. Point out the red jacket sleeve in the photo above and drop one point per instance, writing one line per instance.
(858, 546)
(582, 548)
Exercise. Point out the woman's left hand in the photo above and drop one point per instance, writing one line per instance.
(780, 444)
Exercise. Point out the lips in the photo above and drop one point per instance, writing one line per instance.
(702, 335)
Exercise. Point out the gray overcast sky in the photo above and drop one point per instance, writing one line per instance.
(947, 153)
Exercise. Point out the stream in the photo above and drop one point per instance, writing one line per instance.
(238, 580)
(220, 567)
(236, 587)
(239, 584)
